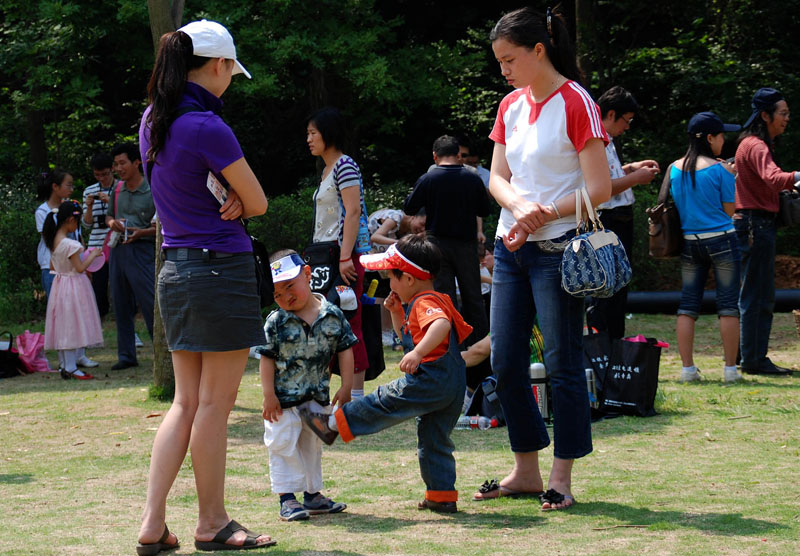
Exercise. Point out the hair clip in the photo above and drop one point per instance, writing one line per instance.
(549, 18)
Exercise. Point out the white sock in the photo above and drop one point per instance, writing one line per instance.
(689, 370)
(69, 359)
(731, 369)
(356, 393)
(332, 423)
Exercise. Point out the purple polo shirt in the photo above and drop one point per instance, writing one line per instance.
(198, 142)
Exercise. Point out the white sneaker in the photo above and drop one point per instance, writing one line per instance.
(689, 376)
(86, 362)
(139, 342)
(732, 376)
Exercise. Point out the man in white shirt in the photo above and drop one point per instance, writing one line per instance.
(617, 109)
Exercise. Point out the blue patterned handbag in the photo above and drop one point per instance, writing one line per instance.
(594, 262)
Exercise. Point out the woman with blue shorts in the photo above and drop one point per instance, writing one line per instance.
(704, 192)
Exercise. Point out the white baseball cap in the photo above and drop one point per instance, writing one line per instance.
(212, 40)
(286, 268)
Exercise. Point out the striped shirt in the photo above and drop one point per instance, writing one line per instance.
(99, 209)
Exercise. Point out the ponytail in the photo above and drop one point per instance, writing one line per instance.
(174, 60)
(55, 220)
(49, 229)
(527, 27)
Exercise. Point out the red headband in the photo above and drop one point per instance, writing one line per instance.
(393, 259)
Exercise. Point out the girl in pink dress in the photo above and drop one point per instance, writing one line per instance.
(72, 319)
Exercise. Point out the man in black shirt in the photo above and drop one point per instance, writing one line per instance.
(453, 197)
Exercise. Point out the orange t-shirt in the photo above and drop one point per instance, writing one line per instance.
(428, 307)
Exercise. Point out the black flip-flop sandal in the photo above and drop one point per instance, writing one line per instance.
(218, 543)
(552, 496)
(153, 548)
(502, 492)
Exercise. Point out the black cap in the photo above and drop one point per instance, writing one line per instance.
(764, 99)
(707, 122)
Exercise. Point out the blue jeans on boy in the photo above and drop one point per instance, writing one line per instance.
(700, 255)
(757, 232)
(434, 395)
(527, 283)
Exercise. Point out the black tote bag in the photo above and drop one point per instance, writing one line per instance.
(631, 380)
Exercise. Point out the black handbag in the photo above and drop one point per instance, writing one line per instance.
(10, 363)
(789, 208)
(323, 258)
(264, 283)
(664, 224)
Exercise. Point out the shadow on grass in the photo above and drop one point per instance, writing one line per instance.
(15, 478)
(712, 522)
(370, 524)
(276, 550)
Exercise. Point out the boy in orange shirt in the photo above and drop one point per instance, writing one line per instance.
(432, 388)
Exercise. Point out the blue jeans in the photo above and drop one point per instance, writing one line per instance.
(699, 255)
(757, 232)
(527, 283)
(434, 395)
(47, 281)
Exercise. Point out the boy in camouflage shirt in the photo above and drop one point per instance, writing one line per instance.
(303, 335)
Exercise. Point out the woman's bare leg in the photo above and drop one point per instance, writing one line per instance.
(170, 444)
(222, 372)
(561, 481)
(525, 477)
(685, 332)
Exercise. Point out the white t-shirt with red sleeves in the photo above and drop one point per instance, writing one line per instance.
(542, 144)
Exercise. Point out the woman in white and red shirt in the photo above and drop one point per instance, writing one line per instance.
(549, 143)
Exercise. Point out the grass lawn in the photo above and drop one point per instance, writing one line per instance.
(716, 472)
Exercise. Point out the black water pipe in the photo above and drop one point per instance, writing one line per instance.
(667, 302)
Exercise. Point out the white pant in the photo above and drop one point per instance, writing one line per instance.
(295, 452)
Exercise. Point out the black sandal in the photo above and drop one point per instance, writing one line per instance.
(225, 534)
(153, 548)
(552, 496)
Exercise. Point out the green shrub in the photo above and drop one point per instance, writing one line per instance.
(21, 296)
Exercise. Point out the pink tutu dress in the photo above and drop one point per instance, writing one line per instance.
(72, 318)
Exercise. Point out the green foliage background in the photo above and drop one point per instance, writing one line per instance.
(73, 76)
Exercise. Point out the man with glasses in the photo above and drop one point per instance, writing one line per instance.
(95, 208)
(617, 108)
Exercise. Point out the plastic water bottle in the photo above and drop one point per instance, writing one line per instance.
(475, 422)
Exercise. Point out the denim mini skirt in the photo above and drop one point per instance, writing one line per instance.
(210, 305)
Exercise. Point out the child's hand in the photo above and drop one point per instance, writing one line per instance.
(93, 253)
(393, 304)
(410, 362)
(272, 408)
(341, 397)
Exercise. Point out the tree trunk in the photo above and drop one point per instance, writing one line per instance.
(36, 141)
(165, 16)
(584, 38)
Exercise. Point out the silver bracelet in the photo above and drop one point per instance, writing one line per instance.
(555, 208)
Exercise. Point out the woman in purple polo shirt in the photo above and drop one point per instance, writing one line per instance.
(207, 287)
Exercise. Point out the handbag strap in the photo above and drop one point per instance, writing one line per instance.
(582, 193)
(663, 193)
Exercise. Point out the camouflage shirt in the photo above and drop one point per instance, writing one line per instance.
(303, 353)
